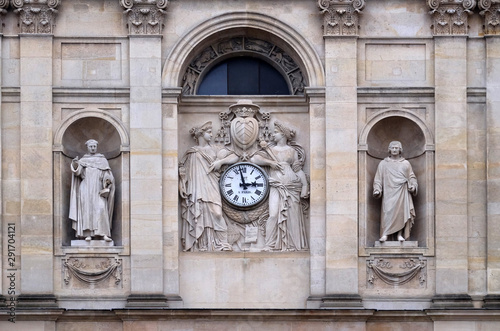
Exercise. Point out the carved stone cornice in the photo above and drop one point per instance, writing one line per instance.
(341, 16)
(490, 9)
(36, 16)
(144, 17)
(450, 16)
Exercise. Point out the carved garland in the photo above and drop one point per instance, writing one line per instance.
(239, 45)
(377, 268)
(36, 16)
(451, 16)
(341, 17)
(491, 13)
(145, 17)
(110, 267)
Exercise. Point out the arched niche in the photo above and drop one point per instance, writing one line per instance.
(418, 149)
(69, 142)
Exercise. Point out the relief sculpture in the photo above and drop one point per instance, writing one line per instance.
(203, 227)
(395, 182)
(252, 186)
(92, 195)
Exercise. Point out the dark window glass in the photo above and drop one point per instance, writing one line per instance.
(243, 75)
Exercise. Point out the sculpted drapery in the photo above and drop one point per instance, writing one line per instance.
(92, 195)
(395, 182)
(203, 226)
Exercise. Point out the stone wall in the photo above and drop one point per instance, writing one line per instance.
(360, 74)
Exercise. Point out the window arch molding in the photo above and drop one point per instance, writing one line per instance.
(243, 46)
(248, 24)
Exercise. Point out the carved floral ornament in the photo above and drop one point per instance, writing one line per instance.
(451, 16)
(341, 16)
(145, 17)
(490, 9)
(36, 16)
(239, 45)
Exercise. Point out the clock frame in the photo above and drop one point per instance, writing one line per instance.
(244, 185)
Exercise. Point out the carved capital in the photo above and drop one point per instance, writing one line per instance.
(144, 17)
(3, 10)
(36, 16)
(490, 9)
(450, 16)
(340, 17)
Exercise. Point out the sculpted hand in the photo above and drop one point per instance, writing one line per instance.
(411, 189)
(215, 166)
(377, 194)
(304, 194)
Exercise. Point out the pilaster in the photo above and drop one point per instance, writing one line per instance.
(3, 228)
(340, 34)
(491, 10)
(317, 227)
(36, 19)
(450, 45)
(170, 196)
(147, 256)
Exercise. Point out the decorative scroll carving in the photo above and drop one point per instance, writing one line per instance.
(102, 269)
(490, 9)
(145, 17)
(383, 269)
(341, 17)
(3, 10)
(243, 45)
(451, 16)
(36, 16)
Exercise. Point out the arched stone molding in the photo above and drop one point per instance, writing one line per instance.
(113, 120)
(235, 23)
(416, 134)
(429, 138)
(69, 142)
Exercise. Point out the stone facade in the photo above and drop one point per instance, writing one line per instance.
(360, 73)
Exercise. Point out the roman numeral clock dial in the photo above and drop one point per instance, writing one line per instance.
(244, 185)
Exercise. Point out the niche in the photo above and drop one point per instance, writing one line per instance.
(418, 150)
(69, 142)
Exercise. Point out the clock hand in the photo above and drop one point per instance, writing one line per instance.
(242, 180)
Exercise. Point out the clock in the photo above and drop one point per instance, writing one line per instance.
(244, 185)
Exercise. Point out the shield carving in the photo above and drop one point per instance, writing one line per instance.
(244, 131)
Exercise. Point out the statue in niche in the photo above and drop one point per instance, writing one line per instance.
(395, 182)
(92, 195)
(285, 228)
(203, 226)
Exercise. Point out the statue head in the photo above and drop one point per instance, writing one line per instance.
(287, 132)
(197, 131)
(91, 145)
(395, 143)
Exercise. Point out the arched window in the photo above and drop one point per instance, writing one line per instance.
(243, 76)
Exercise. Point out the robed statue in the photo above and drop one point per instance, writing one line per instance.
(395, 182)
(92, 195)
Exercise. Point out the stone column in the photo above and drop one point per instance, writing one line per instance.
(490, 10)
(146, 205)
(340, 33)
(317, 227)
(450, 48)
(36, 233)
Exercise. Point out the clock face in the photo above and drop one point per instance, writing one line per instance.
(244, 185)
